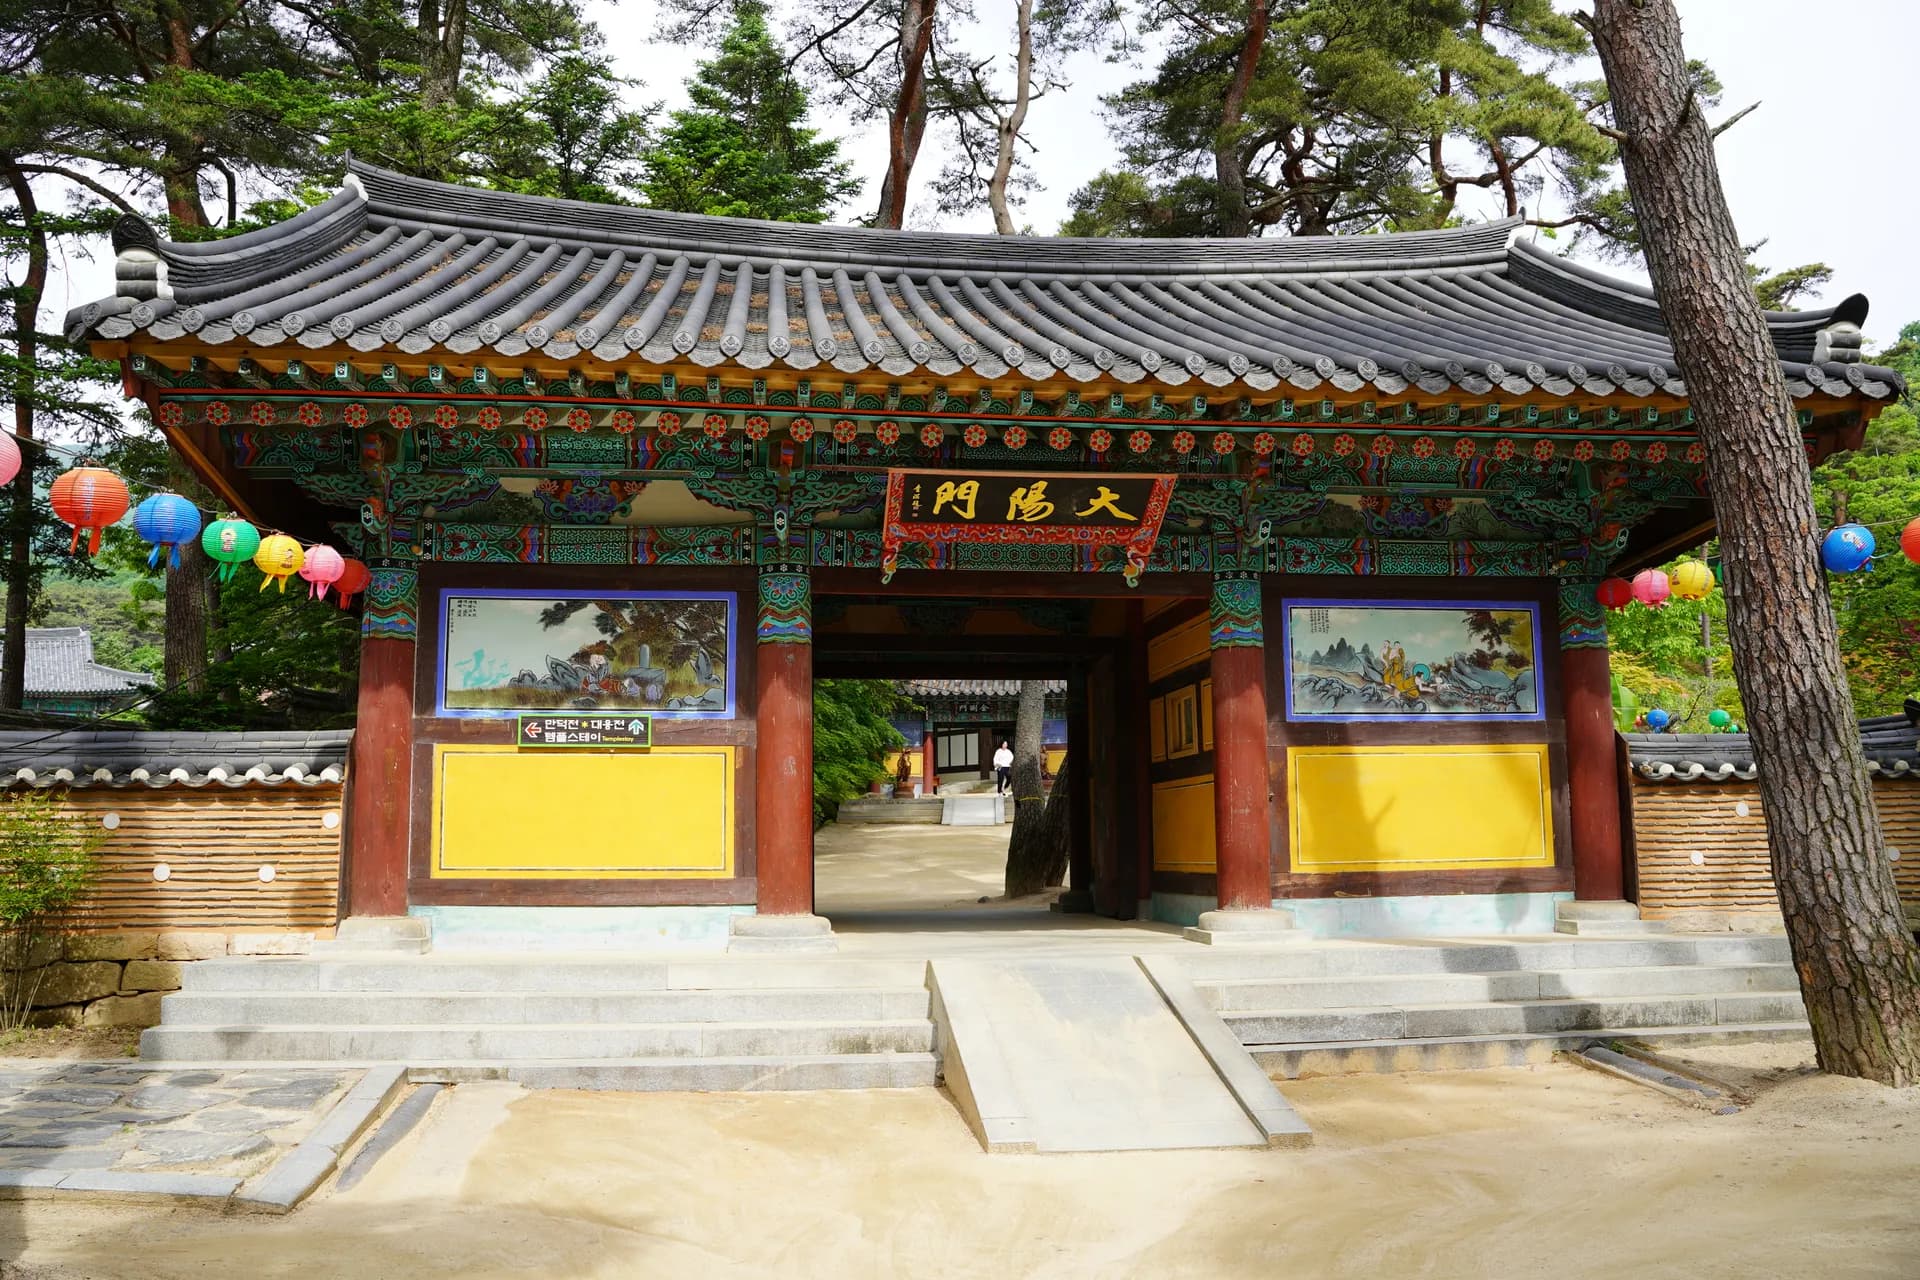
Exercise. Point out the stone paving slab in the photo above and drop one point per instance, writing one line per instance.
(122, 1129)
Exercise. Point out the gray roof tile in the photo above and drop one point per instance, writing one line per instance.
(400, 262)
(1892, 745)
(60, 663)
(122, 758)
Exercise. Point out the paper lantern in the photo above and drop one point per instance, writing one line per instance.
(279, 557)
(1651, 588)
(1692, 580)
(89, 499)
(1614, 593)
(166, 520)
(1909, 536)
(1719, 719)
(1658, 720)
(1847, 549)
(354, 578)
(9, 458)
(231, 543)
(321, 568)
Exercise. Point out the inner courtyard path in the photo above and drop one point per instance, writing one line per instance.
(1543, 1172)
(917, 890)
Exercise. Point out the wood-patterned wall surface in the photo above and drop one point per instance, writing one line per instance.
(1672, 822)
(214, 842)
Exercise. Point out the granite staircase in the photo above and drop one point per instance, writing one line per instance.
(1430, 1006)
(594, 1022)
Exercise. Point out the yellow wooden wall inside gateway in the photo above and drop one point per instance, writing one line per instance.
(214, 840)
(1183, 830)
(1419, 808)
(1673, 821)
(502, 814)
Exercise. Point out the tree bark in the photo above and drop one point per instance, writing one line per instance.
(1026, 850)
(1056, 831)
(1229, 166)
(1009, 126)
(19, 564)
(1859, 969)
(907, 122)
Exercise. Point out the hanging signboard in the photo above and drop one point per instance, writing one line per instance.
(543, 731)
(1074, 508)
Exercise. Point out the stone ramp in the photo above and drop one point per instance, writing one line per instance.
(1087, 1053)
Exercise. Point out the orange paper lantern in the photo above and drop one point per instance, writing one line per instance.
(354, 578)
(89, 499)
(1910, 540)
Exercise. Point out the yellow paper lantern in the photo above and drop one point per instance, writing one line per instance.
(1691, 580)
(279, 557)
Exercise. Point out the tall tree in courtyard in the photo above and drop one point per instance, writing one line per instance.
(1027, 852)
(743, 149)
(1859, 968)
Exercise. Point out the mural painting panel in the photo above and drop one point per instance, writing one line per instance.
(1356, 660)
(667, 653)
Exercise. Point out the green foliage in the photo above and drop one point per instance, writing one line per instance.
(851, 734)
(572, 136)
(1879, 610)
(743, 149)
(1360, 115)
(46, 868)
(1663, 659)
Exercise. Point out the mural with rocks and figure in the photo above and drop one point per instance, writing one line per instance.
(1354, 660)
(504, 652)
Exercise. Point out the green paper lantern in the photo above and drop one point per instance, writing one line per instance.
(231, 542)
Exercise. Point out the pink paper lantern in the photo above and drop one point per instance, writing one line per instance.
(9, 458)
(1651, 588)
(322, 568)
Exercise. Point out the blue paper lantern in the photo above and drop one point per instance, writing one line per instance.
(1848, 548)
(166, 520)
(1658, 720)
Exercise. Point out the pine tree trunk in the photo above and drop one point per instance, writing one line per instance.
(19, 562)
(1859, 969)
(1026, 849)
(1229, 166)
(184, 662)
(1056, 832)
(907, 122)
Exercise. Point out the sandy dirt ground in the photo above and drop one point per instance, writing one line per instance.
(866, 867)
(1551, 1171)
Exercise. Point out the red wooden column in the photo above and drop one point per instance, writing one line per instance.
(380, 816)
(783, 776)
(929, 783)
(1079, 895)
(1243, 849)
(1593, 775)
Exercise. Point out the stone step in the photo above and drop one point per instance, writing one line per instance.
(1450, 1021)
(559, 975)
(391, 935)
(1239, 994)
(1613, 928)
(1461, 1053)
(1556, 952)
(456, 1042)
(699, 1075)
(332, 1008)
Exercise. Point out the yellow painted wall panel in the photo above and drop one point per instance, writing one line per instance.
(1186, 644)
(1183, 825)
(1420, 808)
(661, 815)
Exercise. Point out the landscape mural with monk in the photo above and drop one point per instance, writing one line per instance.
(509, 651)
(1351, 661)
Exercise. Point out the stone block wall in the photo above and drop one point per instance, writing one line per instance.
(118, 978)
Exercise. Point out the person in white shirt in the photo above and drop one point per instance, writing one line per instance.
(1003, 768)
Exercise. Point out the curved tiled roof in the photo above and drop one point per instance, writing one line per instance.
(394, 263)
(1892, 745)
(128, 758)
(970, 688)
(60, 662)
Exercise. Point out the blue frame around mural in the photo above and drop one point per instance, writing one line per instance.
(448, 595)
(1528, 607)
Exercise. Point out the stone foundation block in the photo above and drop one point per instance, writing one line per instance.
(150, 975)
(77, 983)
(189, 945)
(112, 946)
(124, 1011)
(66, 1015)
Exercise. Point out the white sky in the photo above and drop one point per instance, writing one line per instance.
(1815, 170)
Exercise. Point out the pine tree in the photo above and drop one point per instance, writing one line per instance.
(743, 149)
